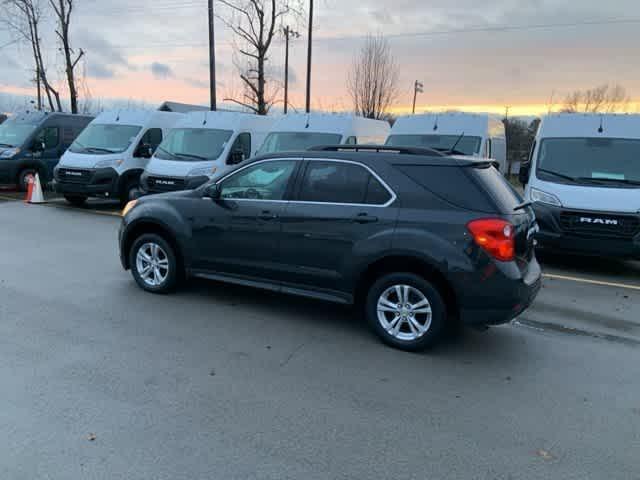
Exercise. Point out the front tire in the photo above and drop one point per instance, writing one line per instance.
(76, 200)
(153, 264)
(130, 191)
(406, 311)
(24, 176)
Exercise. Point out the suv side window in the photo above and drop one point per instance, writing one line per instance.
(339, 182)
(152, 137)
(50, 136)
(264, 181)
(243, 144)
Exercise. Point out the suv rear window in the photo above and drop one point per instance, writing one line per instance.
(464, 187)
(505, 196)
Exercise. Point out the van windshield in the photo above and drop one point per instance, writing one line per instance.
(466, 145)
(297, 141)
(102, 139)
(13, 134)
(193, 144)
(589, 161)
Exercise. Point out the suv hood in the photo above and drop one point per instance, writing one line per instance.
(586, 197)
(85, 160)
(173, 168)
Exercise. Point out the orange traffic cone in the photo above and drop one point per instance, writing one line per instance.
(35, 189)
(30, 182)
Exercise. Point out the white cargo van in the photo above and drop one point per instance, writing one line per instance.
(202, 145)
(295, 132)
(109, 156)
(484, 134)
(583, 178)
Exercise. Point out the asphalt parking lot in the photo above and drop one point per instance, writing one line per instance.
(104, 381)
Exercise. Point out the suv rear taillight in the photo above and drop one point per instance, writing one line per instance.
(495, 236)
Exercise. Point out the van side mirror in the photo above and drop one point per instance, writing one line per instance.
(236, 157)
(213, 191)
(144, 151)
(523, 175)
(38, 146)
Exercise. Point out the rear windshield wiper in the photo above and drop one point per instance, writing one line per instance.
(558, 175)
(449, 151)
(522, 206)
(623, 181)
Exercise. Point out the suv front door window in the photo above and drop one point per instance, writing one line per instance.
(264, 181)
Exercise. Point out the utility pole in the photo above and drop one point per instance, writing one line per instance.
(287, 33)
(418, 87)
(212, 58)
(309, 51)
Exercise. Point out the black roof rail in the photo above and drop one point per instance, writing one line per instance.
(429, 152)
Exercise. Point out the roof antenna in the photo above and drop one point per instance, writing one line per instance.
(307, 125)
(435, 125)
(601, 128)
(205, 118)
(118, 116)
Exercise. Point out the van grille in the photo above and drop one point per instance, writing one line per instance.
(598, 224)
(165, 184)
(72, 175)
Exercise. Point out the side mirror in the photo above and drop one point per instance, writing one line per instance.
(237, 156)
(144, 151)
(523, 175)
(213, 191)
(38, 146)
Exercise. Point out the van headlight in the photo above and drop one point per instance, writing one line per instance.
(109, 163)
(12, 152)
(538, 196)
(202, 171)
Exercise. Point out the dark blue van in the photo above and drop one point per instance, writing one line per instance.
(33, 142)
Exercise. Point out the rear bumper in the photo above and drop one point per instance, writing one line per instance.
(102, 182)
(501, 294)
(592, 239)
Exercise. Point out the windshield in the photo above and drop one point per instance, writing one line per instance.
(193, 144)
(589, 160)
(103, 139)
(13, 134)
(297, 141)
(466, 145)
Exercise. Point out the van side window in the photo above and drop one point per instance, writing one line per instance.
(152, 138)
(351, 141)
(68, 135)
(50, 136)
(243, 144)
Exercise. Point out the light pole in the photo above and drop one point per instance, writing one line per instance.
(287, 34)
(418, 87)
(212, 58)
(309, 51)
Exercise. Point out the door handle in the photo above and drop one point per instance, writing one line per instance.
(267, 215)
(364, 218)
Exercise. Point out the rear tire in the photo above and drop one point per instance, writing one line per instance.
(406, 311)
(153, 264)
(76, 200)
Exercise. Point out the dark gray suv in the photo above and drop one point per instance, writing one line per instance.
(414, 237)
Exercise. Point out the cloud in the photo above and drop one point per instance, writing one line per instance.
(161, 70)
(196, 82)
(98, 70)
(99, 48)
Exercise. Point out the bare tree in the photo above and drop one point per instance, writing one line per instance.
(23, 17)
(63, 9)
(373, 79)
(255, 23)
(602, 99)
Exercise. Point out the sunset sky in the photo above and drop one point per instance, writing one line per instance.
(154, 51)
